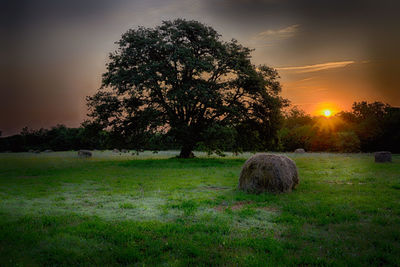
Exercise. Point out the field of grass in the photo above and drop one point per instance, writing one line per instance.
(146, 210)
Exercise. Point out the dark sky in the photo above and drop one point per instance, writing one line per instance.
(329, 53)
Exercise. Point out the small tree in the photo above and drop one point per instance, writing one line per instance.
(180, 78)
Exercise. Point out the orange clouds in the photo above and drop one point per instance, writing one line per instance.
(317, 67)
(317, 87)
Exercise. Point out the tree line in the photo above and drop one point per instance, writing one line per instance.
(367, 127)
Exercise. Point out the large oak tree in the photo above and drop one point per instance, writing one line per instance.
(180, 78)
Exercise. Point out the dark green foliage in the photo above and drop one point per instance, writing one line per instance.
(59, 138)
(360, 130)
(368, 127)
(182, 80)
(298, 137)
(347, 142)
(376, 124)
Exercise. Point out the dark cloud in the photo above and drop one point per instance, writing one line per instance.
(28, 11)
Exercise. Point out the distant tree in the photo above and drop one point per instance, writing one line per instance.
(347, 142)
(298, 137)
(182, 80)
(296, 131)
(93, 136)
(364, 110)
(391, 137)
(296, 117)
(368, 122)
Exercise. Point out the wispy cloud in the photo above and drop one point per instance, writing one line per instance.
(318, 67)
(279, 33)
(306, 79)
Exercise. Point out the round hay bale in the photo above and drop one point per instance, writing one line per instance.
(268, 173)
(300, 150)
(383, 156)
(115, 150)
(84, 153)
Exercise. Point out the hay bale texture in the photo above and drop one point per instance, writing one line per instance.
(84, 153)
(383, 156)
(300, 150)
(268, 173)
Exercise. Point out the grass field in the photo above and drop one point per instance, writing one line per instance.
(146, 210)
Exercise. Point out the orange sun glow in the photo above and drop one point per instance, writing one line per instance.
(327, 113)
(326, 109)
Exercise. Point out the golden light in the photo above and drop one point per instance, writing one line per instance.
(326, 109)
(327, 113)
(326, 121)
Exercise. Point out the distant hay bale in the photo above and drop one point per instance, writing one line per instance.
(300, 151)
(48, 151)
(84, 153)
(383, 156)
(268, 173)
(115, 150)
(124, 151)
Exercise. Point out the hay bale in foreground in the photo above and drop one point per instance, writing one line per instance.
(300, 150)
(268, 173)
(383, 156)
(84, 153)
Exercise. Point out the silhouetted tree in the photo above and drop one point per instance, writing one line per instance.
(368, 122)
(181, 79)
(391, 137)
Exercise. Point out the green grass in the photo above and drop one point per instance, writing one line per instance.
(57, 209)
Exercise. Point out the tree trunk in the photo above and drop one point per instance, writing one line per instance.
(186, 152)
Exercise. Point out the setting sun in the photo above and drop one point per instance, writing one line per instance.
(327, 113)
(326, 109)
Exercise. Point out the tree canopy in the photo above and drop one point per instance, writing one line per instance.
(181, 79)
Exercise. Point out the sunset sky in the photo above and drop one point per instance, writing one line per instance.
(328, 53)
